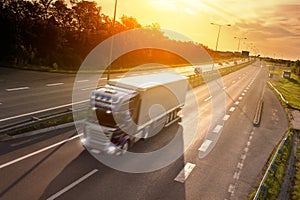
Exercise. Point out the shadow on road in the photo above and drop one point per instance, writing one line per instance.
(108, 183)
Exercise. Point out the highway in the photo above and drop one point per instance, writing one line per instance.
(54, 165)
(24, 91)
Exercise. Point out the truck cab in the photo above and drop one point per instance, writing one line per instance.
(127, 110)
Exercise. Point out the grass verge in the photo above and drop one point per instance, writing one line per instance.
(274, 179)
(289, 88)
(42, 125)
(295, 193)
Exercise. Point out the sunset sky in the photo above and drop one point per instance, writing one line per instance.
(272, 26)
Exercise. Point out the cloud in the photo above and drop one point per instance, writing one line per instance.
(190, 11)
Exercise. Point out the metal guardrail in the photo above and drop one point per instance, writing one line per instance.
(21, 122)
(32, 120)
(261, 185)
(281, 96)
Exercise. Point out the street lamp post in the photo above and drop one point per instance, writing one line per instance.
(219, 25)
(240, 38)
(112, 40)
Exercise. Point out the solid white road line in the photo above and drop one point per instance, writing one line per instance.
(185, 172)
(208, 98)
(54, 84)
(73, 184)
(39, 111)
(205, 145)
(39, 151)
(16, 89)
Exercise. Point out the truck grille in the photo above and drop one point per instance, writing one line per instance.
(96, 138)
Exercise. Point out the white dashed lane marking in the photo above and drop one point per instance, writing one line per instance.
(82, 81)
(232, 109)
(243, 156)
(208, 98)
(205, 145)
(39, 151)
(185, 172)
(231, 188)
(90, 88)
(226, 117)
(236, 175)
(16, 89)
(40, 111)
(54, 196)
(237, 103)
(54, 84)
(217, 129)
(240, 165)
(248, 143)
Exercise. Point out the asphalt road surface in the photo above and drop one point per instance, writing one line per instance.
(54, 165)
(23, 91)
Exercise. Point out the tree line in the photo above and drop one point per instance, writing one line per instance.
(59, 35)
(54, 33)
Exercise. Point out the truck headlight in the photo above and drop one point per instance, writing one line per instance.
(111, 150)
(83, 141)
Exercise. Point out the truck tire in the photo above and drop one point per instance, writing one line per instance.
(125, 146)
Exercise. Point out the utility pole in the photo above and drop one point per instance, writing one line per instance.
(239, 38)
(219, 25)
(112, 40)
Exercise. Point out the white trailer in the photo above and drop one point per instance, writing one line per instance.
(128, 109)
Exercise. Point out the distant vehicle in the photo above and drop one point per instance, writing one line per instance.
(129, 109)
(202, 69)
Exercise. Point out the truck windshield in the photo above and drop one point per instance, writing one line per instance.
(106, 118)
(127, 112)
